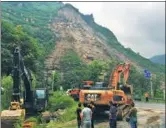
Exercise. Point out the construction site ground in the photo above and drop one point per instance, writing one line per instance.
(150, 115)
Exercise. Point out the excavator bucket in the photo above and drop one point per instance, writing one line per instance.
(127, 89)
(10, 117)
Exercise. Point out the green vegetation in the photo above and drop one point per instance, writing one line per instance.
(35, 18)
(75, 70)
(20, 122)
(61, 101)
(142, 85)
(6, 83)
(13, 36)
(26, 24)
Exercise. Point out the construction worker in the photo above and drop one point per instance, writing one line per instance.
(86, 116)
(133, 116)
(112, 115)
(129, 100)
(92, 107)
(78, 111)
(147, 96)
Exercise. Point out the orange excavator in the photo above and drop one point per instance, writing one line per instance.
(117, 91)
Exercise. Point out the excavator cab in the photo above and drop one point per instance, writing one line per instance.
(87, 84)
(118, 97)
(40, 99)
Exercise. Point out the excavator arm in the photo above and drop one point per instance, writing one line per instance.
(126, 72)
(122, 95)
(27, 79)
(115, 76)
(16, 76)
(19, 69)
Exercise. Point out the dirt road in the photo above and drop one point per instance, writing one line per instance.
(150, 115)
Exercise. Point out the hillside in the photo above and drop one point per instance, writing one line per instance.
(56, 23)
(159, 59)
(91, 39)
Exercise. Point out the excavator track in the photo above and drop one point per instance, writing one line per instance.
(123, 110)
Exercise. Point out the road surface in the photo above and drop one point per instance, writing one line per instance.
(150, 115)
(157, 106)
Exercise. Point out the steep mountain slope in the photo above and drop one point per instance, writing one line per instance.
(55, 23)
(81, 33)
(160, 59)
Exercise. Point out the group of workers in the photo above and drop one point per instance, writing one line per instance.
(131, 117)
(85, 116)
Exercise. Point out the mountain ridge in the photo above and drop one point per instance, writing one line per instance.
(86, 37)
(159, 59)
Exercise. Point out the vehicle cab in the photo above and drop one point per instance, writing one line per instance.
(41, 99)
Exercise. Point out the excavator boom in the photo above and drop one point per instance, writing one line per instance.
(126, 72)
(116, 75)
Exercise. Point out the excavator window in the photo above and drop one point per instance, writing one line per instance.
(99, 88)
(117, 98)
(40, 94)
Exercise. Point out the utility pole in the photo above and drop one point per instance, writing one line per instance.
(151, 87)
(147, 75)
(164, 93)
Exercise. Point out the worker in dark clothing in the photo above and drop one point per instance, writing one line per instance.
(112, 115)
(147, 96)
(133, 116)
(78, 111)
(92, 107)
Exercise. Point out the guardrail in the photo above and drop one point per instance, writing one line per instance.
(150, 99)
(157, 99)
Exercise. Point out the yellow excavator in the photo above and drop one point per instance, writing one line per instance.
(33, 101)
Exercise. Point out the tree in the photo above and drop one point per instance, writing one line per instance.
(7, 83)
(15, 36)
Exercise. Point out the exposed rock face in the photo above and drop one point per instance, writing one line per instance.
(74, 33)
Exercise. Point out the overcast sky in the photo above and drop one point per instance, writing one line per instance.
(138, 25)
